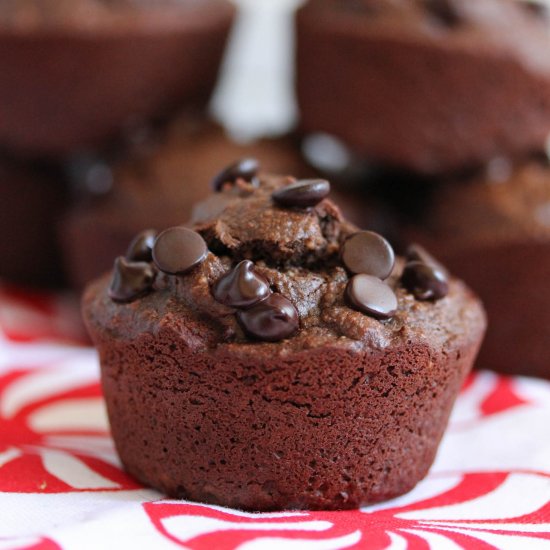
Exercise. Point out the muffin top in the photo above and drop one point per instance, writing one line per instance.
(513, 27)
(25, 15)
(269, 263)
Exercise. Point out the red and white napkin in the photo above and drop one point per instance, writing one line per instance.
(61, 485)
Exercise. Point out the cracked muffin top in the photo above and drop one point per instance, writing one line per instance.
(269, 264)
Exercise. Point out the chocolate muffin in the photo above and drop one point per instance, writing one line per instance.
(274, 357)
(154, 184)
(494, 231)
(78, 72)
(431, 86)
(32, 199)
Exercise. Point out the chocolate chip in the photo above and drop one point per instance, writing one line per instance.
(131, 280)
(369, 253)
(446, 11)
(302, 193)
(246, 169)
(242, 287)
(371, 296)
(178, 249)
(424, 281)
(417, 253)
(141, 247)
(272, 320)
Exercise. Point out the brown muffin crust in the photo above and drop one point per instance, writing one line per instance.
(347, 411)
(429, 89)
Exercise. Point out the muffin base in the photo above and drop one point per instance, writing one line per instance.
(323, 429)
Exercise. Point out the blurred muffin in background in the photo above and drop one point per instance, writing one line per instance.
(430, 86)
(76, 73)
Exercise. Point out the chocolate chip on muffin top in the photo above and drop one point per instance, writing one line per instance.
(131, 280)
(241, 287)
(245, 169)
(302, 193)
(141, 247)
(178, 250)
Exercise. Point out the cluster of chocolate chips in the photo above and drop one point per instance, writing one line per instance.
(370, 258)
(263, 314)
(175, 251)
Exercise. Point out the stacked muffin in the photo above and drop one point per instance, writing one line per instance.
(448, 102)
(76, 75)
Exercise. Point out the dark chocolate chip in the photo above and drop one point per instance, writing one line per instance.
(131, 280)
(371, 296)
(273, 319)
(302, 193)
(178, 249)
(246, 169)
(417, 253)
(424, 281)
(446, 11)
(242, 287)
(141, 247)
(369, 253)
